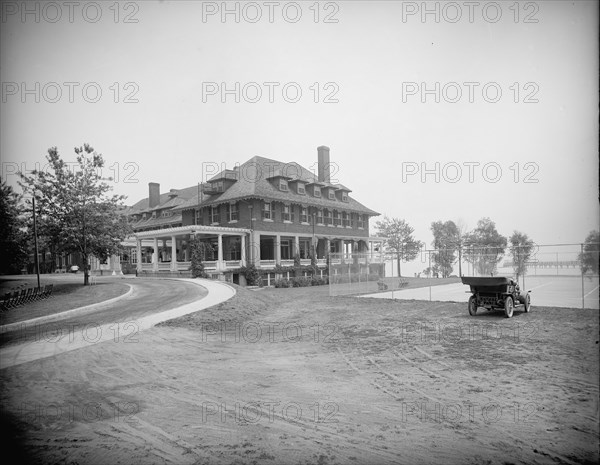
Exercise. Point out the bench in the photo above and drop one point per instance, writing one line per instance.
(24, 296)
(402, 283)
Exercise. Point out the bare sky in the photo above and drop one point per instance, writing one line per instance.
(527, 157)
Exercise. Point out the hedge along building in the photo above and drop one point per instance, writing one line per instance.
(263, 212)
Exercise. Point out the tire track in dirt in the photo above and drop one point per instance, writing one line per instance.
(555, 455)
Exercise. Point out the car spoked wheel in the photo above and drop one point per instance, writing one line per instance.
(509, 307)
(472, 305)
(527, 304)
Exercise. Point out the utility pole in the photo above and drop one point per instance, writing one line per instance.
(35, 241)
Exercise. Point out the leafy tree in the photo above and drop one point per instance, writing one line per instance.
(521, 248)
(399, 239)
(445, 241)
(74, 207)
(12, 237)
(591, 253)
(484, 247)
(200, 249)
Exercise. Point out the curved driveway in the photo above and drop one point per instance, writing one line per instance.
(151, 302)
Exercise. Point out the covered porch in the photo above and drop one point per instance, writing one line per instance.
(170, 249)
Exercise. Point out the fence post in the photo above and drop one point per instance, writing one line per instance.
(582, 280)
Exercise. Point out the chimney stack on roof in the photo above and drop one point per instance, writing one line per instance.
(153, 194)
(324, 165)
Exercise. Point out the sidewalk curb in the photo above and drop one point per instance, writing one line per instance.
(66, 313)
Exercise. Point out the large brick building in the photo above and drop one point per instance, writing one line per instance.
(263, 212)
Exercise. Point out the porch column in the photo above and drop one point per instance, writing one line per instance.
(186, 251)
(278, 249)
(243, 250)
(296, 245)
(155, 255)
(138, 254)
(220, 264)
(255, 248)
(341, 250)
(327, 247)
(173, 253)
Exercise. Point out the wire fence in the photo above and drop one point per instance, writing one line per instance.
(562, 275)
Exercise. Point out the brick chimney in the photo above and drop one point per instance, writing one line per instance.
(324, 168)
(153, 194)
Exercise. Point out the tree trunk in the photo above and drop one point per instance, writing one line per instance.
(460, 262)
(86, 276)
(399, 270)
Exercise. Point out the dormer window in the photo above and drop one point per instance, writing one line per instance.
(317, 191)
(344, 196)
(283, 185)
(300, 189)
(331, 194)
(153, 214)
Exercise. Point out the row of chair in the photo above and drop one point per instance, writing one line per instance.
(18, 298)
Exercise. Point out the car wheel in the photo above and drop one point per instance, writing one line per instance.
(472, 305)
(527, 304)
(509, 307)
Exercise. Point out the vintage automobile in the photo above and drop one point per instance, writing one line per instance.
(496, 293)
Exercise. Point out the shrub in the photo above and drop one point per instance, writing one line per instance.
(252, 275)
(301, 281)
(282, 283)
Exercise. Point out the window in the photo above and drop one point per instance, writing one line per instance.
(232, 211)
(301, 189)
(304, 248)
(303, 215)
(320, 216)
(328, 217)
(344, 196)
(267, 211)
(317, 191)
(144, 216)
(285, 213)
(286, 249)
(283, 185)
(331, 194)
(336, 218)
(345, 219)
(154, 214)
(361, 223)
(218, 186)
(214, 215)
(198, 214)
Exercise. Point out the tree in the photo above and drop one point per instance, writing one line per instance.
(521, 248)
(484, 247)
(12, 237)
(591, 253)
(445, 241)
(399, 239)
(74, 207)
(199, 249)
